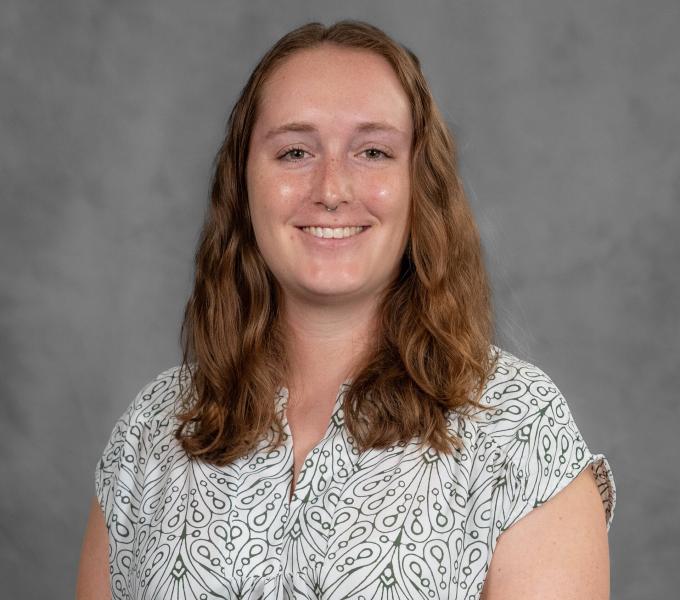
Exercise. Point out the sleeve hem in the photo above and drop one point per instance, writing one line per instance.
(605, 485)
(98, 488)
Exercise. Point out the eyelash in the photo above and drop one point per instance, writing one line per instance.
(296, 149)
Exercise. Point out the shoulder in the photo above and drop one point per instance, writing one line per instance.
(511, 375)
(157, 399)
(153, 407)
(517, 395)
(519, 403)
(528, 428)
(537, 445)
(146, 424)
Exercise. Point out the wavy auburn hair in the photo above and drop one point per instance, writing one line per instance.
(433, 351)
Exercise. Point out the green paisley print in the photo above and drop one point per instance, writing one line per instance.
(398, 523)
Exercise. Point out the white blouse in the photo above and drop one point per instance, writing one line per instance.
(401, 522)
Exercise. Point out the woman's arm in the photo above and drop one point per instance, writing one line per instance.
(93, 574)
(560, 550)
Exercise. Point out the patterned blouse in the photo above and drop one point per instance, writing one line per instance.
(401, 523)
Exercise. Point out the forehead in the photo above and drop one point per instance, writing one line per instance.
(334, 84)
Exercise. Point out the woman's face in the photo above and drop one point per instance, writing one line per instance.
(333, 129)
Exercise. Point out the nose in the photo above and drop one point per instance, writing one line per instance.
(334, 184)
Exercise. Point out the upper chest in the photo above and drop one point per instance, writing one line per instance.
(356, 525)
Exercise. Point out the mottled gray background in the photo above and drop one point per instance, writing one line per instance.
(568, 120)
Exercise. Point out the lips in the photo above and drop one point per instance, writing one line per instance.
(333, 233)
(332, 237)
(332, 226)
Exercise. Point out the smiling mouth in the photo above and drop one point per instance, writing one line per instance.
(334, 232)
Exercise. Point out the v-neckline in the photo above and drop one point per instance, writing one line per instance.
(282, 402)
(282, 399)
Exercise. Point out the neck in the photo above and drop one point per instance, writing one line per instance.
(324, 342)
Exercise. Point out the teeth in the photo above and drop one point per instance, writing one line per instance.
(338, 232)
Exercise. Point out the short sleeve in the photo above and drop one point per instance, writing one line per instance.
(542, 450)
(119, 473)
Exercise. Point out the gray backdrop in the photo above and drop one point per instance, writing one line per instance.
(567, 115)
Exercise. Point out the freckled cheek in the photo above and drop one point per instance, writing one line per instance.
(275, 201)
(287, 191)
(387, 198)
(282, 195)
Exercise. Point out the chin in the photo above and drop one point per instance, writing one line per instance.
(331, 288)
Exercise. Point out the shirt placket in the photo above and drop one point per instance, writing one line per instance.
(316, 475)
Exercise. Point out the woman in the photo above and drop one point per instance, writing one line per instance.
(342, 425)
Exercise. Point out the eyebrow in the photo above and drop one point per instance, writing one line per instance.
(306, 127)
